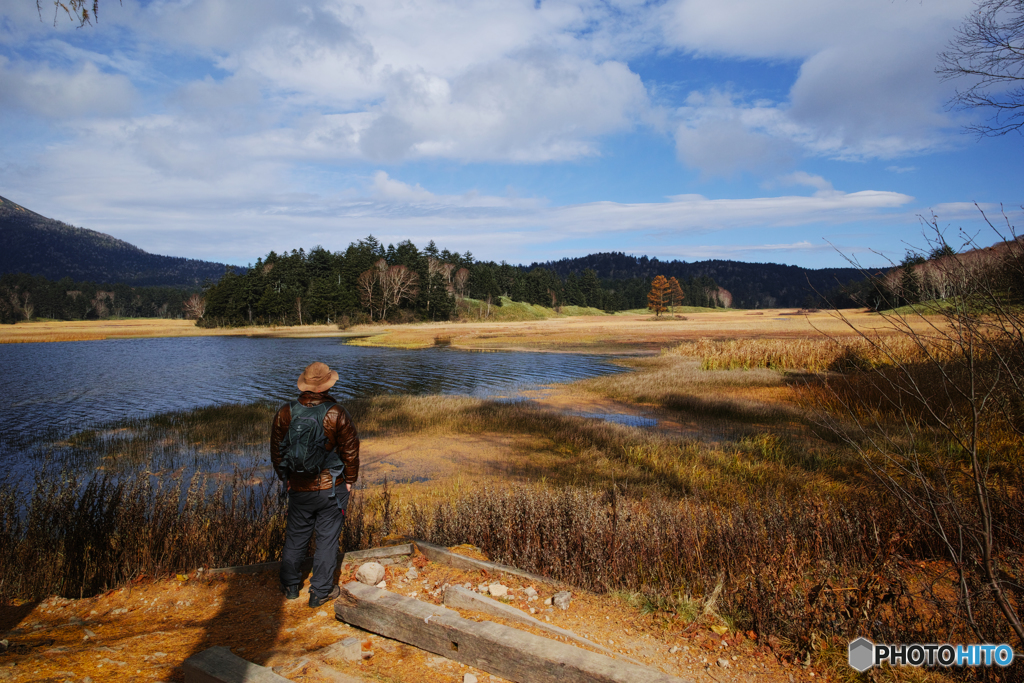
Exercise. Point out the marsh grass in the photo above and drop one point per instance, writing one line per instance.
(772, 529)
(801, 570)
(190, 489)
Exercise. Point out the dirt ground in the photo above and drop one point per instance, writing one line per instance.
(144, 632)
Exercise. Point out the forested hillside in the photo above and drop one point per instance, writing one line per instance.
(24, 297)
(752, 285)
(37, 245)
(368, 281)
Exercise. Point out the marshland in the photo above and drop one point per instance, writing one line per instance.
(782, 480)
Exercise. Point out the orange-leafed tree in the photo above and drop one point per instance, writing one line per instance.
(675, 293)
(657, 299)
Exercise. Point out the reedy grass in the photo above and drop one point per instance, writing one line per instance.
(800, 543)
(156, 506)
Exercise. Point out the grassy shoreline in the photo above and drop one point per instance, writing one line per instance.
(756, 511)
(623, 333)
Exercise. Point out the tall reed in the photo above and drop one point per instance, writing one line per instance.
(799, 569)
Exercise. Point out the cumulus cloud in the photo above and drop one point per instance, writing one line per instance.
(720, 136)
(537, 107)
(191, 117)
(58, 94)
(866, 87)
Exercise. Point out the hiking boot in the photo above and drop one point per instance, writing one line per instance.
(316, 601)
(291, 592)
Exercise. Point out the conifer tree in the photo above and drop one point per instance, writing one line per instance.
(675, 293)
(659, 295)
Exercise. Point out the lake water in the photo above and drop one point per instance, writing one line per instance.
(79, 385)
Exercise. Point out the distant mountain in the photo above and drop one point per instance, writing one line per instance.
(34, 244)
(752, 285)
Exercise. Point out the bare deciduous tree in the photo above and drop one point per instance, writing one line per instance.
(22, 303)
(82, 11)
(988, 52)
(459, 282)
(195, 307)
(940, 420)
(383, 287)
(397, 283)
(366, 285)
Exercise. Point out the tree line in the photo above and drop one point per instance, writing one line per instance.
(24, 297)
(751, 285)
(926, 276)
(368, 282)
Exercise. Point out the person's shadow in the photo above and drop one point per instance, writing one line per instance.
(249, 618)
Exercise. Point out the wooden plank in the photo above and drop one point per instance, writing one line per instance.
(436, 553)
(462, 598)
(506, 652)
(220, 665)
(373, 553)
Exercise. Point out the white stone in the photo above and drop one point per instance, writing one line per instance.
(469, 678)
(412, 574)
(674, 649)
(497, 590)
(382, 584)
(530, 591)
(724, 663)
(561, 599)
(350, 648)
(370, 573)
(547, 601)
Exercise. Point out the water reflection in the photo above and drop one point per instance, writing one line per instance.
(73, 386)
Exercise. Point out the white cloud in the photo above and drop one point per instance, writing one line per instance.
(535, 107)
(742, 251)
(207, 209)
(56, 94)
(202, 125)
(866, 87)
(525, 82)
(721, 137)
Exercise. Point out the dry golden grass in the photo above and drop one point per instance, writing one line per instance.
(621, 332)
(584, 333)
(134, 328)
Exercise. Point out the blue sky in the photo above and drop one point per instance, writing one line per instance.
(795, 131)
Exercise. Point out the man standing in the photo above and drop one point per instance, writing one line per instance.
(316, 501)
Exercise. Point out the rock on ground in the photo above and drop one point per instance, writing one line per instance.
(370, 573)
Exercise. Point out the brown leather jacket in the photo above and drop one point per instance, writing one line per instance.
(341, 434)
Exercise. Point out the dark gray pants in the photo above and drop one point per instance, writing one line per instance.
(310, 511)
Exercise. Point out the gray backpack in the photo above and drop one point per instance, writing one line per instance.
(304, 447)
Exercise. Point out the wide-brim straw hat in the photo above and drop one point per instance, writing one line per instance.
(317, 377)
